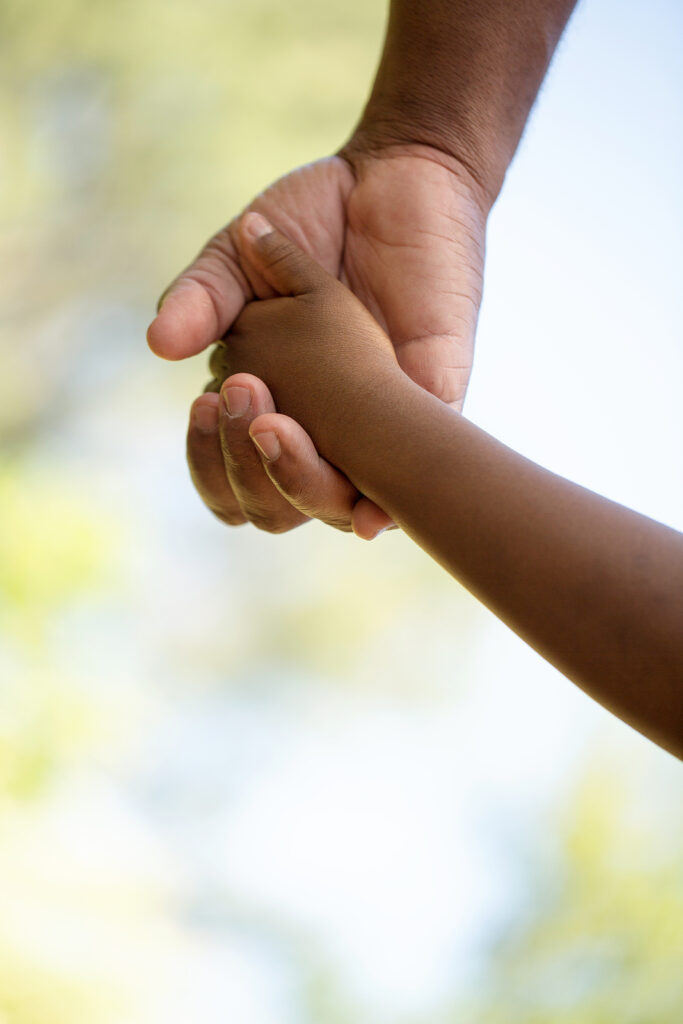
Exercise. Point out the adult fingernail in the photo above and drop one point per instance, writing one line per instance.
(256, 225)
(237, 400)
(204, 418)
(385, 529)
(268, 443)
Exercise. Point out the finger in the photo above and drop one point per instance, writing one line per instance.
(205, 459)
(201, 304)
(440, 365)
(281, 263)
(368, 520)
(305, 479)
(244, 397)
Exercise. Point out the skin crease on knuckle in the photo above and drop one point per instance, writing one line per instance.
(303, 497)
(238, 460)
(304, 488)
(256, 510)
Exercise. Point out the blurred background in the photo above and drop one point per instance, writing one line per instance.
(303, 779)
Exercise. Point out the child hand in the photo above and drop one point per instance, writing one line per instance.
(316, 347)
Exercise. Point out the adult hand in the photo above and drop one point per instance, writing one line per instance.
(403, 227)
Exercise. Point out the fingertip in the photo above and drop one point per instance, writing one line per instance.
(157, 339)
(168, 338)
(363, 532)
(368, 533)
(207, 398)
(368, 520)
(204, 413)
(185, 323)
(359, 533)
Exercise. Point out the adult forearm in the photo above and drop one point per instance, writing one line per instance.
(462, 76)
(596, 588)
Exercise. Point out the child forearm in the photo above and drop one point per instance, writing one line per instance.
(596, 588)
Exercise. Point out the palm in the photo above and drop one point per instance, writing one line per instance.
(413, 255)
(403, 231)
(405, 234)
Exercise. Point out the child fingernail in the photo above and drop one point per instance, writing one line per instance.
(237, 400)
(256, 225)
(204, 418)
(268, 443)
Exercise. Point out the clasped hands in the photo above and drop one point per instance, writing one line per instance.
(314, 353)
(402, 230)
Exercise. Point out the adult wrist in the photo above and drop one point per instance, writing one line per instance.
(384, 131)
(461, 77)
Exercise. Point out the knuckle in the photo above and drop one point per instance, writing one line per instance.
(295, 490)
(278, 250)
(217, 256)
(239, 458)
(268, 519)
(341, 523)
(239, 468)
(305, 497)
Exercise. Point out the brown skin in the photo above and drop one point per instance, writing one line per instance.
(419, 271)
(461, 76)
(399, 216)
(596, 588)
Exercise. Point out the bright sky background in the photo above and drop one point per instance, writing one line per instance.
(583, 313)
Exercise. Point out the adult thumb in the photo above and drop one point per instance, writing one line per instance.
(281, 263)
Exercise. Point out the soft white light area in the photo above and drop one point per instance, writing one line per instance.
(579, 361)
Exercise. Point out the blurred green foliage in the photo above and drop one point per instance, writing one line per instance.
(603, 935)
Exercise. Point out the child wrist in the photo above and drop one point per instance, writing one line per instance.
(347, 433)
